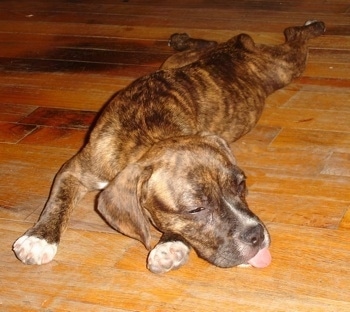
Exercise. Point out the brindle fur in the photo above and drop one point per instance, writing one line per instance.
(154, 145)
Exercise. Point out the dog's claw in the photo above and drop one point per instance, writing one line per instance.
(167, 256)
(34, 250)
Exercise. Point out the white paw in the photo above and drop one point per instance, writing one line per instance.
(167, 256)
(34, 250)
(307, 23)
(244, 265)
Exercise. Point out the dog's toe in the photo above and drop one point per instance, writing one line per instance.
(167, 256)
(34, 250)
(309, 22)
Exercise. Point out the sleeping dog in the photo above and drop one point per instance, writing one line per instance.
(159, 154)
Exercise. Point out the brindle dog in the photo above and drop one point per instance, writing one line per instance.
(159, 155)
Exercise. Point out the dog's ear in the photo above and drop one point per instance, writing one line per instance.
(219, 142)
(120, 204)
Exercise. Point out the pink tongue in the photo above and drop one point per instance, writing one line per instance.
(262, 259)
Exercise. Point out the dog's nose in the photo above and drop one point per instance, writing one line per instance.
(254, 235)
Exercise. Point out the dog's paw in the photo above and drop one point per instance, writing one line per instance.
(34, 250)
(309, 22)
(179, 42)
(316, 28)
(167, 256)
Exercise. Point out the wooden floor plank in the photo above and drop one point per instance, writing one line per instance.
(274, 181)
(55, 98)
(61, 118)
(313, 139)
(297, 209)
(151, 31)
(160, 16)
(14, 113)
(95, 82)
(31, 169)
(308, 119)
(40, 42)
(337, 164)
(164, 7)
(56, 137)
(345, 222)
(13, 133)
(335, 99)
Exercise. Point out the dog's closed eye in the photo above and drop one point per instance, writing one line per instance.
(240, 184)
(196, 210)
(241, 188)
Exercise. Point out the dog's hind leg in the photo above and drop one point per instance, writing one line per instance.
(190, 50)
(183, 42)
(301, 34)
(295, 45)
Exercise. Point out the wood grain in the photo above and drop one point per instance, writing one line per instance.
(60, 62)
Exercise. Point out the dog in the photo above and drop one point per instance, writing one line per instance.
(159, 154)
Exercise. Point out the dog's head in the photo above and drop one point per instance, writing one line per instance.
(189, 186)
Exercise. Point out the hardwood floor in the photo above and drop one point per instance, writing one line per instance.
(60, 61)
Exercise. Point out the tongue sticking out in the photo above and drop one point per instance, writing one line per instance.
(262, 259)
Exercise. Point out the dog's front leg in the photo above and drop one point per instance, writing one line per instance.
(39, 244)
(169, 254)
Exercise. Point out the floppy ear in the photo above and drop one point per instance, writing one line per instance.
(119, 203)
(220, 143)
